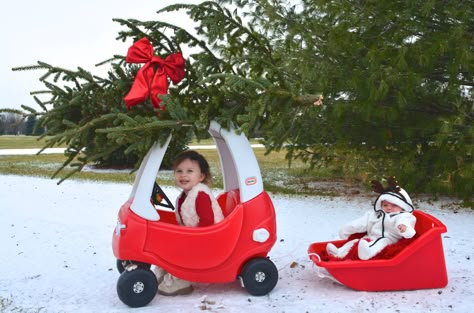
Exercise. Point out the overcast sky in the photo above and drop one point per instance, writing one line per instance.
(64, 33)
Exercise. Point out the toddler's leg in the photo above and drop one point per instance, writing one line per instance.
(173, 286)
(159, 273)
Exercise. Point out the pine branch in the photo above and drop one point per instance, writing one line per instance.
(160, 124)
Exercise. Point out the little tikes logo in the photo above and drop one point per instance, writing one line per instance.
(250, 181)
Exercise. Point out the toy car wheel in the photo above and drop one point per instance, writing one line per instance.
(121, 264)
(137, 287)
(259, 276)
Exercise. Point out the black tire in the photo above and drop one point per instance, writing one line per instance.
(259, 276)
(121, 264)
(136, 288)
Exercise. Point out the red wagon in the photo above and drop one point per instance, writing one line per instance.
(419, 265)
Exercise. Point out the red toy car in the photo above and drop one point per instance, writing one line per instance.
(147, 232)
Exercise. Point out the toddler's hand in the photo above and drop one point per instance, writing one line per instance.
(402, 228)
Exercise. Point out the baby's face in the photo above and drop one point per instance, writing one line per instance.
(389, 207)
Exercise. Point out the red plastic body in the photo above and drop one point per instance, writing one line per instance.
(209, 254)
(420, 265)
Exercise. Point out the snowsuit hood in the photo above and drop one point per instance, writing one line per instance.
(393, 193)
(400, 198)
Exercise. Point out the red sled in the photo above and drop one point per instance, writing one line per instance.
(419, 265)
(147, 232)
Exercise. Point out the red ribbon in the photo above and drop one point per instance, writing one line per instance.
(148, 82)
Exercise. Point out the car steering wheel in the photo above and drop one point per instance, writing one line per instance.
(158, 195)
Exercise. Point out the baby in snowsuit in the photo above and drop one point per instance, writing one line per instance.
(391, 220)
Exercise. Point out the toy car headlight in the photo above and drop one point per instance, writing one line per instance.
(261, 235)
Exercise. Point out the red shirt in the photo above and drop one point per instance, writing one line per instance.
(203, 208)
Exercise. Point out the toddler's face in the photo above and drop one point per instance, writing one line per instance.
(188, 174)
(389, 207)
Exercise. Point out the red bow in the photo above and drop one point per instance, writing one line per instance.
(147, 82)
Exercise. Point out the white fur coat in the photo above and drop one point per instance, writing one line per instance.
(188, 216)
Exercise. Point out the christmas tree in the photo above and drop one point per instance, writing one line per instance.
(389, 82)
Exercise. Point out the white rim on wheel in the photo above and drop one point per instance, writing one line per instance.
(138, 287)
(260, 277)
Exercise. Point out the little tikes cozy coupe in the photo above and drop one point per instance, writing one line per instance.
(147, 232)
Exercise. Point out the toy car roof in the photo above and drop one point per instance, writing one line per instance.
(239, 166)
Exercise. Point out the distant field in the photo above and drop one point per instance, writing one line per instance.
(20, 142)
(29, 142)
(277, 176)
(348, 174)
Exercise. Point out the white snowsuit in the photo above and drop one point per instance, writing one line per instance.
(381, 227)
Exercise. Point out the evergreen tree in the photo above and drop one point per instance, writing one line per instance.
(398, 76)
(390, 81)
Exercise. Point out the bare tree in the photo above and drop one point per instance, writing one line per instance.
(11, 124)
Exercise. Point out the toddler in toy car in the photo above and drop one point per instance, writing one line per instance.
(196, 206)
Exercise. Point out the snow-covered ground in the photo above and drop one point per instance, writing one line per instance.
(56, 256)
(30, 151)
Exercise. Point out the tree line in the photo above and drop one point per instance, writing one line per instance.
(19, 124)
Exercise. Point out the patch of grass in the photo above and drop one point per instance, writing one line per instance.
(30, 142)
(45, 165)
(346, 175)
(277, 176)
(21, 142)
